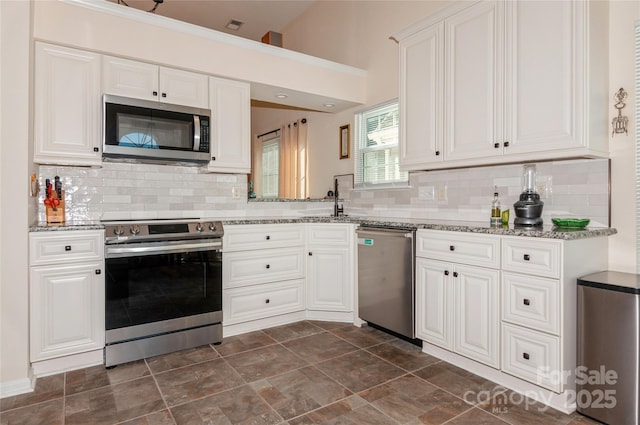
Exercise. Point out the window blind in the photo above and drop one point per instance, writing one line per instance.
(270, 167)
(376, 155)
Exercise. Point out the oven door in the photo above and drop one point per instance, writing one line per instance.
(161, 287)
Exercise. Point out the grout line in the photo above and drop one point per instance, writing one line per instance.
(164, 400)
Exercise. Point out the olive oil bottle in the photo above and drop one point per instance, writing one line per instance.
(496, 218)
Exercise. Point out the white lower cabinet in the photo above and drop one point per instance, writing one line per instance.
(66, 297)
(262, 271)
(508, 302)
(538, 309)
(277, 273)
(330, 267)
(457, 308)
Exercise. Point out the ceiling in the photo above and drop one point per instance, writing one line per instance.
(258, 16)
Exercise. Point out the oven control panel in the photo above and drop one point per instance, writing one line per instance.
(125, 232)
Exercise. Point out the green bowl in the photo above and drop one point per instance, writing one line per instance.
(578, 223)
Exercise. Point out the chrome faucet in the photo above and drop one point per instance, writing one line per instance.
(338, 210)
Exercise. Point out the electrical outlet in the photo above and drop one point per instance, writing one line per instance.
(236, 192)
(442, 192)
(426, 193)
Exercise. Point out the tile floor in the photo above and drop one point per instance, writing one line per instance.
(297, 374)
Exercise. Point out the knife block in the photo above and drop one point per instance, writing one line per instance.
(56, 215)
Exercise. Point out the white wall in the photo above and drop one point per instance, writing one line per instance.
(622, 247)
(14, 175)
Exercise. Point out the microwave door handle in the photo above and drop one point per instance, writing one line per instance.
(196, 133)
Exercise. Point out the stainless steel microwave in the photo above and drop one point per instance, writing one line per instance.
(147, 131)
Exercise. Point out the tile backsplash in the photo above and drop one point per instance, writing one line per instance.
(575, 188)
(145, 191)
(123, 191)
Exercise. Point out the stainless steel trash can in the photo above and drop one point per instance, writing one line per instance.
(608, 372)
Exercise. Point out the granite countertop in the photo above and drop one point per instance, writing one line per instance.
(548, 232)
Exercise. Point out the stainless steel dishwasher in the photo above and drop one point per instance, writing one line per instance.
(386, 278)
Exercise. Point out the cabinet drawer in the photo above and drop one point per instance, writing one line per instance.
(526, 255)
(65, 246)
(532, 356)
(473, 249)
(531, 301)
(261, 266)
(260, 301)
(333, 233)
(258, 236)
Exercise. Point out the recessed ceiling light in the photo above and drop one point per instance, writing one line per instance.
(281, 96)
(329, 105)
(234, 25)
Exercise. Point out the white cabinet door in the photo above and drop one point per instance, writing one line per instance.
(184, 88)
(434, 298)
(421, 82)
(231, 133)
(543, 63)
(477, 329)
(67, 106)
(141, 80)
(67, 309)
(328, 279)
(473, 76)
(124, 77)
(330, 253)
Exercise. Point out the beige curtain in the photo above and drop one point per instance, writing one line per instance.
(293, 160)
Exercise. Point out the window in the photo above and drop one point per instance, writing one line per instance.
(270, 167)
(377, 159)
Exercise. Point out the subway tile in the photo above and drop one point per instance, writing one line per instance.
(174, 191)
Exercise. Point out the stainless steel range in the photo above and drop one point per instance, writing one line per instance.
(163, 287)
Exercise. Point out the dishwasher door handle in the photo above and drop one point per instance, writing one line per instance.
(368, 233)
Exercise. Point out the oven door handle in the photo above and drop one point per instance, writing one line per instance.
(133, 250)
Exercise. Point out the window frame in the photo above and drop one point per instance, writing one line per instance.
(272, 141)
(360, 148)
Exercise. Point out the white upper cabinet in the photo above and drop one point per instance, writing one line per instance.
(231, 121)
(546, 69)
(473, 88)
(67, 106)
(518, 82)
(142, 80)
(422, 63)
